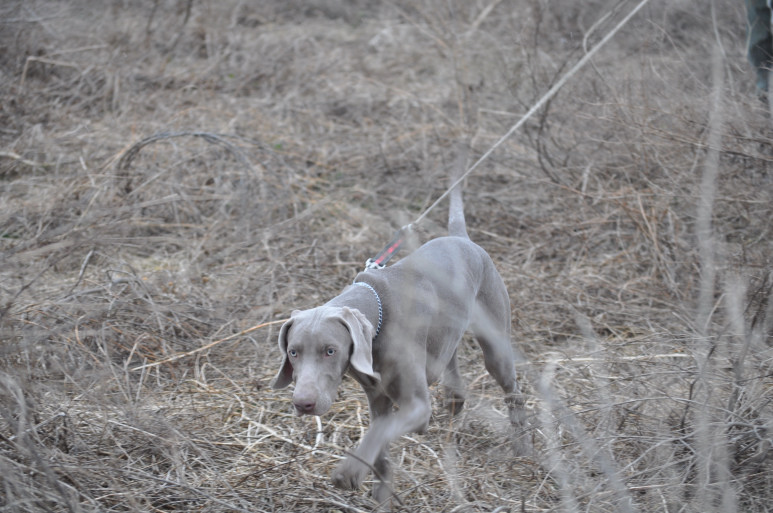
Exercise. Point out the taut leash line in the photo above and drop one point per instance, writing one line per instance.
(542, 101)
(383, 257)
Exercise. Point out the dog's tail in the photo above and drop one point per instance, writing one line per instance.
(457, 226)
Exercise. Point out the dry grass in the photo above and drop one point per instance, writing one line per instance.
(175, 174)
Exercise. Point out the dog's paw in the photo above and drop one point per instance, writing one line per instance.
(521, 441)
(516, 408)
(350, 474)
(454, 403)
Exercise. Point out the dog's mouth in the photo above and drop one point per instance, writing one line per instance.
(301, 412)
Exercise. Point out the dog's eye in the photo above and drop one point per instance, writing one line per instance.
(330, 351)
(293, 353)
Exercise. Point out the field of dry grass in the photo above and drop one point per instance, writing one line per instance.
(177, 175)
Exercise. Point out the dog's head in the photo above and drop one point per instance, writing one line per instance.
(318, 346)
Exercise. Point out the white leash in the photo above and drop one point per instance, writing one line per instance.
(542, 101)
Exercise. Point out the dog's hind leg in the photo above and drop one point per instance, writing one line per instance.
(453, 386)
(491, 327)
(492, 331)
(499, 359)
(498, 356)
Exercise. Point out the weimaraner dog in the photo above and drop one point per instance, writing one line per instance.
(396, 331)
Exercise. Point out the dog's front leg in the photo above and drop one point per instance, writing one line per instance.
(412, 416)
(382, 489)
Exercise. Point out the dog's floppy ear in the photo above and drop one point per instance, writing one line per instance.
(285, 375)
(361, 331)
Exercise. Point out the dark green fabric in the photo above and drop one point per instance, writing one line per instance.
(759, 41)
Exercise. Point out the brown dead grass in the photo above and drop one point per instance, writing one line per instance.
(175, 174)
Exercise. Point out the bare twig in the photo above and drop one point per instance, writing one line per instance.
(207, 346)
(42, 60)
(27, 162)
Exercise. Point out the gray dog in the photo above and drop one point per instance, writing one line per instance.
(396, 331)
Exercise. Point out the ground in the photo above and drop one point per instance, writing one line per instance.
(176, 176)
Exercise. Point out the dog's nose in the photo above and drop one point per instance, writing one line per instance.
(304, 406)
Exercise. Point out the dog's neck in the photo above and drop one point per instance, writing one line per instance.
(366, 299)
(378, 302)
